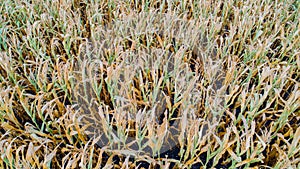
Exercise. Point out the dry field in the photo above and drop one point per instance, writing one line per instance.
(149, 84)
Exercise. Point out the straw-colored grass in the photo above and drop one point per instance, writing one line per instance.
(149, 84)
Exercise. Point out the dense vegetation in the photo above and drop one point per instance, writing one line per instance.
(149, 84)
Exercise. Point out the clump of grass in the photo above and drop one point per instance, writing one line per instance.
(132, 84)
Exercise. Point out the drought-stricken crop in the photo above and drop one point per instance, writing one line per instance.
(149, 84)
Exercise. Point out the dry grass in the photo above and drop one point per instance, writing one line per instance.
(153, 84)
